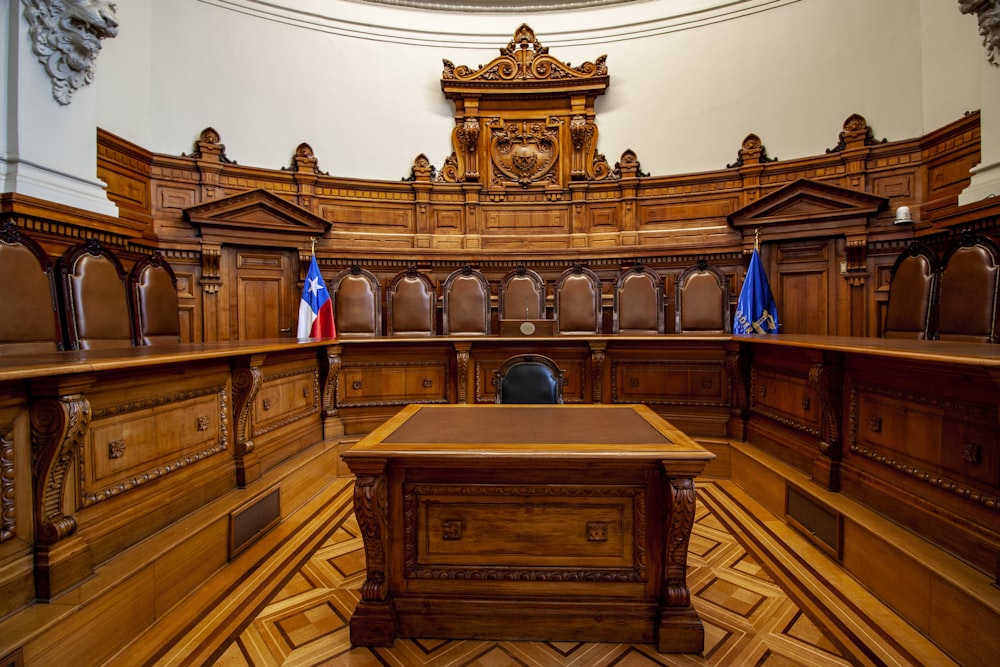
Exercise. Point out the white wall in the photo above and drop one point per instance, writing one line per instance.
(686, 85)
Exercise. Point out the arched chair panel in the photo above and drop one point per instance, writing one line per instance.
(638, 302)
(29, 302)
(578, 301)
(93, 284)
(522, 295)
(153, 292)
(528, 378)
(702, 301)
(913, 288)
(466, 303)
(357, 303)
(970, 285)
(410, 305)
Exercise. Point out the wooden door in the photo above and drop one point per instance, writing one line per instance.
(806, 287)
(261, 295)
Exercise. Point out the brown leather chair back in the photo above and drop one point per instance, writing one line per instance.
(411, 302)
(912, 294)
(970, 285)
(522, 295)
(578, 301)
(29, 302)
(529, 378)
(638, 302)
(94, 298)
(702, 301)
(466, 303)
(153, 292)
(357, 303)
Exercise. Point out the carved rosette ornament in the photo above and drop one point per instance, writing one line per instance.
(988, 14)
(66, 36)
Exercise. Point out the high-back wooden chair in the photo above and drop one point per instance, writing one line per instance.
(93, 286)
(702, 301)
(578, 301)
(913, 286)
(529, 378)
(29, 301)
(970, 286)
(522, 295)
(153, 300)
(357, 303)
(638, 302)
(411, 304)
(466, 303)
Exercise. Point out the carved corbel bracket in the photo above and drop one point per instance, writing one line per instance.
(59, 425)
(597, 359)
(331, 365)
(66, 36)
(856, 272)
(247, 378)
(738, 368)
(462, 366)
(827, 380)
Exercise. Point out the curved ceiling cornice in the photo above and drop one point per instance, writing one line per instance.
(498, 6)
(440, 23)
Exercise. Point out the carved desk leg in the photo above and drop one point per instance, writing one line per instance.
(678, 628)
(374, 620)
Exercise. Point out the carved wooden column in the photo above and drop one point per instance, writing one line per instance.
(462, 372)
(60, 419)
(330, 366)
(827, 380)
(374, 619)
(211, 281)
(597, 358)
(678, 628)
(247, 377)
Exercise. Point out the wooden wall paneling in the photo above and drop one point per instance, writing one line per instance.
(802, 278)
(922, 446)
(126, 169)
(286, 408)
(785, 411)
(17, 516)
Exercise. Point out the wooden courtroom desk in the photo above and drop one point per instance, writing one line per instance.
(527, 522)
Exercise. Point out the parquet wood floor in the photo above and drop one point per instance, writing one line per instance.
(765, 595)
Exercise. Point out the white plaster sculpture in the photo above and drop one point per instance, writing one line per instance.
(988, 12)
(66, 36)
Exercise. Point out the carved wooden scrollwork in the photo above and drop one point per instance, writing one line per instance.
(58, 426)
(7, 489)
(525, 118)
(371, 506)
(681, 518)
(246, 382)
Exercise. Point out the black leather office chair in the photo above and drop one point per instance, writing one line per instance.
(529, 378)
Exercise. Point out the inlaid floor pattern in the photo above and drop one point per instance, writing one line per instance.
(749, 619)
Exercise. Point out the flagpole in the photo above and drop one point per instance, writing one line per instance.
(756, 239)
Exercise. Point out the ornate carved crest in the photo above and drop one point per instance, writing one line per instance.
(525, 118)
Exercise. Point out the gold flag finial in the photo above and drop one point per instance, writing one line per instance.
(314, 245)
(756, 239)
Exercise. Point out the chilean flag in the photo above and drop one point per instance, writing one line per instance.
(316, 308)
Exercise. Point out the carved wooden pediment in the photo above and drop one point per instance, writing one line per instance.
(808, 208)
(525, 119)
(256, 217)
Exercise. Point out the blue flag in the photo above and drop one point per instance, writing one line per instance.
(756, 311)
